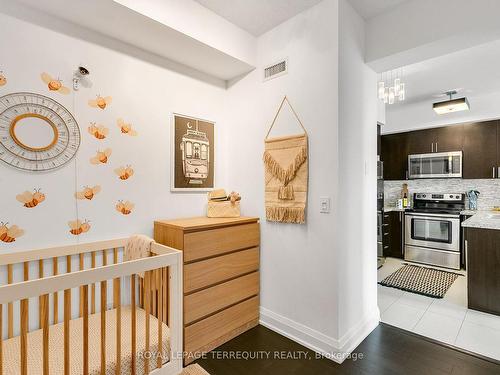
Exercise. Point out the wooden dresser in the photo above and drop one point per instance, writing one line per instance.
(221, 277)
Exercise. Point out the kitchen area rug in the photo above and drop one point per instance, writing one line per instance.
(421, 280)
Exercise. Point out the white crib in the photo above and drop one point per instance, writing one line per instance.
(138, 330)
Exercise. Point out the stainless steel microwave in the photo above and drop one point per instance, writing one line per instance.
(435, 165)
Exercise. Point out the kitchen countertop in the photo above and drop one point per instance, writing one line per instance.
(393, 208)
(482, 219)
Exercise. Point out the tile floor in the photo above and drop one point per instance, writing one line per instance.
(447, 320)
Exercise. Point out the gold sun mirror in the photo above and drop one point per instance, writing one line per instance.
(33, 132)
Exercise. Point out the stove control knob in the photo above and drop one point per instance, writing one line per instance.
(425, 195)
(458, 197)
(451, 196)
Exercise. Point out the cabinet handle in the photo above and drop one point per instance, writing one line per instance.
(493, 172)
(385, 225)
(436, 147)
(498, 172)
(432, 147)
(407, 174)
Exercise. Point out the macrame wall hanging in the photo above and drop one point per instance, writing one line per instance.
(286, 165)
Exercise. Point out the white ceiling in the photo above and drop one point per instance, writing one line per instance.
(257, 16)
(474, 71)
(371, 8)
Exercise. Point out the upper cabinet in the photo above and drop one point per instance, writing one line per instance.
(394, 154)
(481, 146)
(480, 143)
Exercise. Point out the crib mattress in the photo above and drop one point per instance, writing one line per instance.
(11, 347)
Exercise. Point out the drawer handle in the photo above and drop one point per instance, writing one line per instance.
(385, 225)
(386, 247)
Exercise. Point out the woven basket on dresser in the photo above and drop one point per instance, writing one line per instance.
(223, 209)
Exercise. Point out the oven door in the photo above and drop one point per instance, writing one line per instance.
(433, 231)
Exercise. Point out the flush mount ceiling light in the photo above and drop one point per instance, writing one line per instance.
(390, 87)
(451, 105)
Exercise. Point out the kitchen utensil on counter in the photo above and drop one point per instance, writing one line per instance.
(473, 195)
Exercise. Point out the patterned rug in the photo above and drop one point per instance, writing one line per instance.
(421, 280)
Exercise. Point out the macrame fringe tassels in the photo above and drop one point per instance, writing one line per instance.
(294, 215)
(285, 175)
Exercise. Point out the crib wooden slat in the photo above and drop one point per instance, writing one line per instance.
(67, 317)
(44, 301)
(116, 295)
(1, 339)
(24, 337)
(85, 295)
(104, 287)
(10, 306)
(92, 303)
(55, 271)
(147, 305)
(82, 267)
(160, 306)
(40, 276)
(26, 266)
(133, 323)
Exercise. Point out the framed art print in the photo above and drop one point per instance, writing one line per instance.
(193, 151)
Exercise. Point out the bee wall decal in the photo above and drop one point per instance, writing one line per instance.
(101, 157)
(9, 234)
(100, 102)
(126, 128)
(98, 131)
(54, 84)
(125, 207)
(78, 227)
(31, 199)
(3, 79)
(124, 173)
(88, 192)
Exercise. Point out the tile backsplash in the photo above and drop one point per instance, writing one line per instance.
(489, 189)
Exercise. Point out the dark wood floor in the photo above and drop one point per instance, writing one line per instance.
(387, 350)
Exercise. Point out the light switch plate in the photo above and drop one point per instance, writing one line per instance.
(324, 203)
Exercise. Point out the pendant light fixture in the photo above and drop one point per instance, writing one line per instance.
(451, 105)
(391, 89)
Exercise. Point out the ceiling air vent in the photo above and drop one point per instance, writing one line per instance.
(276, 70)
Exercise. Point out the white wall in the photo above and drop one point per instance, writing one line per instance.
(298, 262)
(144, 94)
(356, 227)
(420, 115)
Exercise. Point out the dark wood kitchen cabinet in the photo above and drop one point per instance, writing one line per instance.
(392, 232)
(481, 149)
(444, 139)
(421, 141)
(394, 154)
(482, 247)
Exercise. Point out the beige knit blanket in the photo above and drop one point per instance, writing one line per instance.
(286, 164)
(137, 247)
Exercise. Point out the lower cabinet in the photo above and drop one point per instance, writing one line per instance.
(392, 234)
(482, 247)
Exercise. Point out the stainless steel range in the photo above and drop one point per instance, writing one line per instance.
(432, 229)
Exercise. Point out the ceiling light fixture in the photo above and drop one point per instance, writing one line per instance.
(390, 87)
(451, 105)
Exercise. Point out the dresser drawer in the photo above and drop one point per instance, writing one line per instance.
(213, 242)
(208, 301)
(215, 270)
(200, 334)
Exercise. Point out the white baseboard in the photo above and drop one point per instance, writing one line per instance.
(334, 349)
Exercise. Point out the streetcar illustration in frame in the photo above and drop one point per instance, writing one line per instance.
(193, 154)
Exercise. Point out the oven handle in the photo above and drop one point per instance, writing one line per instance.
(432, 216)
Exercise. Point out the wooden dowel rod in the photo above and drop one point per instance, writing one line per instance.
(160, 311)
(117, 292)
(104, 287)
(147, 304)
(45, 332)
(85, 295)
(82, 267)
(55, 271)
(26, 278)
(67, 318)
(92, 302)
(40, 276)
(24, 337)
(133, 324)
(10, 306)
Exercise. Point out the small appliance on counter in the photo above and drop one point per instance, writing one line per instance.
(432, 229)
(473, 195)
